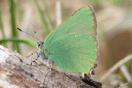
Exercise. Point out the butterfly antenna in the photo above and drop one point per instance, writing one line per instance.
(28, 34)
(37, 35)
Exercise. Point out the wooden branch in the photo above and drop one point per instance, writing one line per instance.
(16, 71)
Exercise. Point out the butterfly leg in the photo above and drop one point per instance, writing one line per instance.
(38, 55)
(32, 54)
(49, 64)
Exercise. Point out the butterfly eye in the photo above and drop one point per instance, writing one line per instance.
(39, 44)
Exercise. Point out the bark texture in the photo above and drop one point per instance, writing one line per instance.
(16, 71)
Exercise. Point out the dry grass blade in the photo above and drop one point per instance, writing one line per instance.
(121, 62)
(58, 12)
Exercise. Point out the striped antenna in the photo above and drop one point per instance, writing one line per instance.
(29, 34)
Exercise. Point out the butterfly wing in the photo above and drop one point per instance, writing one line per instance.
(73, 44)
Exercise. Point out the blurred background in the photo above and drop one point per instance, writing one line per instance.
(114, 20)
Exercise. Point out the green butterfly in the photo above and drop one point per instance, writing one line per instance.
(72, 47)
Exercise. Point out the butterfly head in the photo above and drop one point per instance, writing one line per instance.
(40, 44)
(40, 47)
